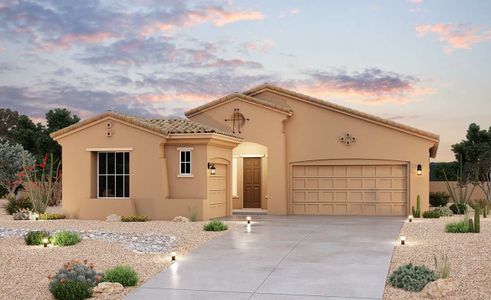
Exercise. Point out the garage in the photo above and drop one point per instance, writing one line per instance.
(217, 192)
(371, 190)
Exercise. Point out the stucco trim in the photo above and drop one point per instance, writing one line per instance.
(348, 111)
(238, 96)
(109, 149)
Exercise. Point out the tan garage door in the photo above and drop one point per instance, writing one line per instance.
(350, 190)
(217, 192)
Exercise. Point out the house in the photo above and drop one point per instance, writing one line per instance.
(266, 148)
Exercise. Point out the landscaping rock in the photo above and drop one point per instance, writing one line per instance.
(438, 289)
(107, 288)
(180, 219)
(113, 218)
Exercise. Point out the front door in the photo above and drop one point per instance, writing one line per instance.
(252, 182)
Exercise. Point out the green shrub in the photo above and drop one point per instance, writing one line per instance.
(215, 225)
(34, 238)
(71, 290)
(431, 214)
(74, 280)
(458, 208)
(65, 238)
(457, 227)
(122, 274)
(135, 218)
(444, 211)
(411, 278)
(442, 266)
(13, 205)
(48, 216)
(417, 211)
(439, 199)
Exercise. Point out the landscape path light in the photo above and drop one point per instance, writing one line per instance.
(403, 240)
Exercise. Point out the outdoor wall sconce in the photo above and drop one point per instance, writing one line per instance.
(45, 242)
(419, 170)
(403, 240)
(211, 167)
(173, 256)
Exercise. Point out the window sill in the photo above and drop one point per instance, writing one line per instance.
(185, 175)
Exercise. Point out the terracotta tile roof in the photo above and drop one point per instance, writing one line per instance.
(341, 108)
(258, 101)
(162, 126)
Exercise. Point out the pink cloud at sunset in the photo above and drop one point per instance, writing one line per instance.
(455, 36)
(261, 46)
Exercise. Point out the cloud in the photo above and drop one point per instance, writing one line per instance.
(416, 1)
(261, 46)
(455, 36)
(371, 86)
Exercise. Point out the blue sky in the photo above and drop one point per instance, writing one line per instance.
(419, 62)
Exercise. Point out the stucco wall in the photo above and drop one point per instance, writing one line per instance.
(439, 186)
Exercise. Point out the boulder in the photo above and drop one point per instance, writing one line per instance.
(113, 218)
(107, 288)
(438, 289)
(180, 219)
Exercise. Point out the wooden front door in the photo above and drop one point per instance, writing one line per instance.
(252, 182)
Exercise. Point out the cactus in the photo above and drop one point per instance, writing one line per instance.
(471, 225)
(485, 211)
(417, 210)
(477, 219)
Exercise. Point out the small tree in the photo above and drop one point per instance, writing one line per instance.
(11, 162)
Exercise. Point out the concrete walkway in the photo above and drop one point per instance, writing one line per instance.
(285, 258)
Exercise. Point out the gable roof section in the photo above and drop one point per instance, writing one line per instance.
(352, 112)
(164, 127)
(234, 96)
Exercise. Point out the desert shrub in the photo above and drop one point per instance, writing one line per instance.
(34, 238)
(48, 216)
(74, 280)
(65, 238)
(431, 214)
(442, 266)
(481, 203)
(71, 290)
(25, 214)
(13, 205)
(193, 214)
(444, 211)
(122, 274)
(135, 218)
(457, 227)
(215, 225)
(439, 199)
(411, 278)
(458, 208)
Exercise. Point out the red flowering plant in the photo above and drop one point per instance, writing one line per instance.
(42, 182)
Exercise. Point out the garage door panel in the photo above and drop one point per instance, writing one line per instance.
(350, 190)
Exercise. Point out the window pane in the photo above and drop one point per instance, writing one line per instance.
(188, 168)
(110, 163)
(110, 186)
(119, 186)
(126, 186)
(188, 156)
(119, 162)
(102, 162)
(183, 156)
(183, 168)
(126, 163)
(102, 186)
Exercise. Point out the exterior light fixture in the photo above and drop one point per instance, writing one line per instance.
(410, 218)
(212, 168)
(248, 219)
(45, 242)
(403, 240)
(419, 170)
(173, 256)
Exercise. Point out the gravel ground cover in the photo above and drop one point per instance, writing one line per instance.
(24, 269)
(468, 253)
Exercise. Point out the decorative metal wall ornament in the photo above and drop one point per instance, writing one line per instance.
(238, 121)
(347, 139)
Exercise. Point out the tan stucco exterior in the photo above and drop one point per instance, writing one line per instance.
(289, 132)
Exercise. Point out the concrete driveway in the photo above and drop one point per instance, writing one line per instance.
(285, 258)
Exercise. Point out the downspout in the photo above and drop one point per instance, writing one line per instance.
(165, 176)
(287, 167)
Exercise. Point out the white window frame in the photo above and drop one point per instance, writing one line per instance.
(190, 162)
(129, 173)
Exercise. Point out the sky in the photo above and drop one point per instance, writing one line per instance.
(424, 63)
